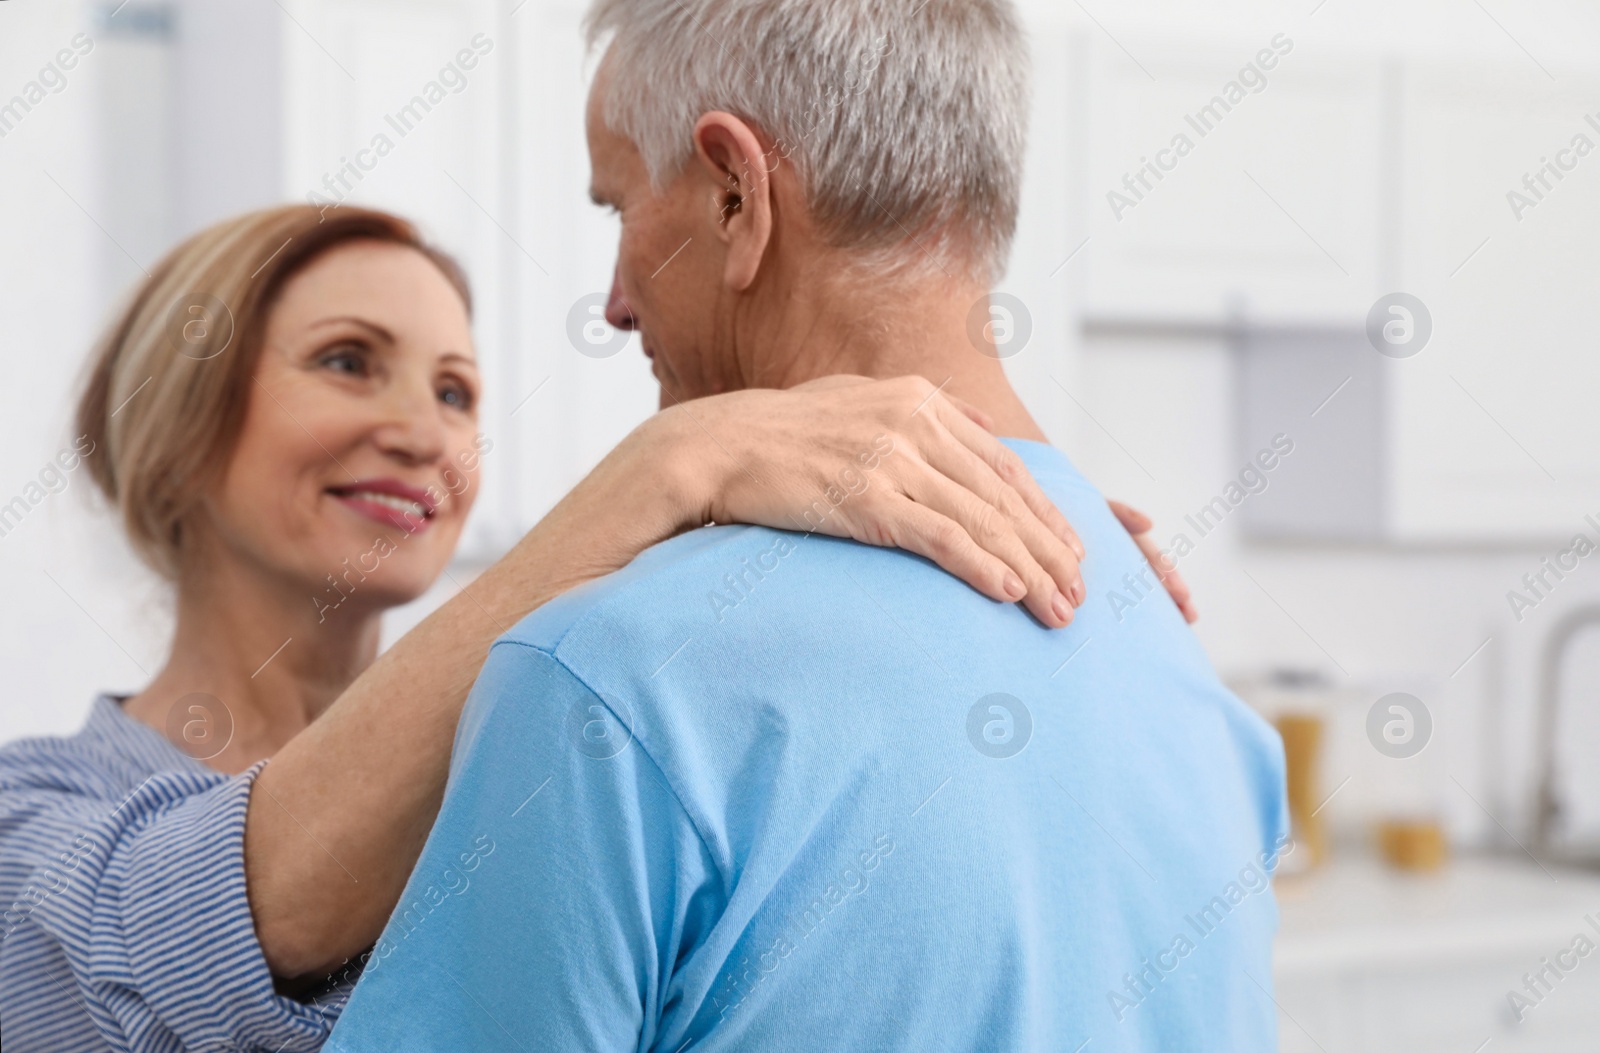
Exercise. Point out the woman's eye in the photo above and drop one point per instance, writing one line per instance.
(345, 360)
(456, 396)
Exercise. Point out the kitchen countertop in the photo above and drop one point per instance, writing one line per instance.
(1356, 912)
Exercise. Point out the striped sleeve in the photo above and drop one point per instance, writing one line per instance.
(146, 902)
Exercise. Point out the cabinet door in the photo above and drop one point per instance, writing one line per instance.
(1439, 1006)
(1199, 206)
(1493, 423)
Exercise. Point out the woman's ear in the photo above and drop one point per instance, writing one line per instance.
(740, 171)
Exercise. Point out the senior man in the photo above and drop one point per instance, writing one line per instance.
(775, 791)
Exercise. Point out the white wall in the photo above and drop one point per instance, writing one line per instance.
(59, 578)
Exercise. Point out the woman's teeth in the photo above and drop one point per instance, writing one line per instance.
(399, 504)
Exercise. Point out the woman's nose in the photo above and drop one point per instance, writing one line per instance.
(413, 432)
(618, 312)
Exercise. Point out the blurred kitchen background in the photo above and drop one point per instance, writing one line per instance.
(1405, 591)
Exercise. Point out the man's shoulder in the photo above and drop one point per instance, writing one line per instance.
(691, 586)
(695, 581)
(704, 645)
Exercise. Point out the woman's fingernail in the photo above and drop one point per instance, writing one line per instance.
(1014, 587)
(1080, 592)
(1062, 608)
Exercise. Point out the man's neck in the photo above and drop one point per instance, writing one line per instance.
(828, 324)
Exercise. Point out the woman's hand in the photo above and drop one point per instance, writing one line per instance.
(888, 462)
(1138, 524)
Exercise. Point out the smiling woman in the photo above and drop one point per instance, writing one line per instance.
(284, 417)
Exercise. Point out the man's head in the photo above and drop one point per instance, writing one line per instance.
(766, 150)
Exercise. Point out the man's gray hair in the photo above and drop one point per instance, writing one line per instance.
(906, 120)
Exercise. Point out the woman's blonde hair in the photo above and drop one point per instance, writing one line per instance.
(169, 382)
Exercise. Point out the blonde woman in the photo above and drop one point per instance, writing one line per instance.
(293, 475)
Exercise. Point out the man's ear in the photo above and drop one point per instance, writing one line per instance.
(731, 155)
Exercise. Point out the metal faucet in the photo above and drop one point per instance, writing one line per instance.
(1555, 651)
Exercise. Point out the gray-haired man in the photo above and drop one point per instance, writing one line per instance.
(783, 792)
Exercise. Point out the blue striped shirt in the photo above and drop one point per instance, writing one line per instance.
(126, 923)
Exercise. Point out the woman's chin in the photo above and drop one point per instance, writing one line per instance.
(351, 593)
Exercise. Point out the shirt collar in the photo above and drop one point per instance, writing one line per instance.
(110, 724)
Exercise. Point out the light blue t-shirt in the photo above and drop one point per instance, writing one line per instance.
(764, 791)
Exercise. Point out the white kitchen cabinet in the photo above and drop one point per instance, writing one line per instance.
(1487, 434)
(1350, 176)
(1197, 208)
(1492, 426)
(1372, 961)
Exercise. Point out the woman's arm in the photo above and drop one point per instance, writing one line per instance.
(1138, 524)
(337, 819)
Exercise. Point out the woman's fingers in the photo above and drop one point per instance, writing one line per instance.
(997, 533)
(918, 528)
(1133, 521)
(972, 413)
(1008, 466)
(1166, 570)
(990, 503)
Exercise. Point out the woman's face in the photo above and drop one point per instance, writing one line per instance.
(358, 460)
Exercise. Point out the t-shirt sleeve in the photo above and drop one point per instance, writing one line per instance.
(560, 885)
(146, 900)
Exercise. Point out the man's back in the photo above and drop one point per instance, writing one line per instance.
(772, 791)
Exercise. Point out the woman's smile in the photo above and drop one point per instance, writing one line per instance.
(388, 501)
